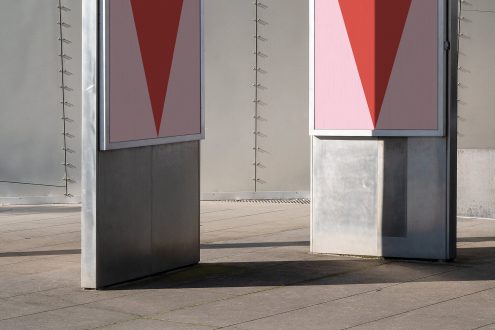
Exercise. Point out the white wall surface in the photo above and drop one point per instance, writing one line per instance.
(31, 162)
(268, 155)
(476, 161)
(477, 75)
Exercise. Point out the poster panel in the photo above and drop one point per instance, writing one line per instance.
(378, 67)
(150, 72)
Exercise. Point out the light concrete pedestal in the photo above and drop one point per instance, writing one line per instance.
(382, 197)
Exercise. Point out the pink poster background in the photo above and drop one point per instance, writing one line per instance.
(130, 111)
(411, 99)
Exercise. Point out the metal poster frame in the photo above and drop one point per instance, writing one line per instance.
(442, 86)
(104, 89)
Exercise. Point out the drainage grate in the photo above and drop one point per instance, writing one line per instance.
(270, 201)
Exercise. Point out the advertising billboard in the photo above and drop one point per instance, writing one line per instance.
(378, 67)
(150, 72)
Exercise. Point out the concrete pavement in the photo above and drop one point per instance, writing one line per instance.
(256, 273)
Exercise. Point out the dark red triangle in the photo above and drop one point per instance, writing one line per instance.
(157, 24)
(375, 29)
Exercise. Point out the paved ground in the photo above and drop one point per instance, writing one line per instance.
(256, 273)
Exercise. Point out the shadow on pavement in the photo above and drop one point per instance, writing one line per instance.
(475, 264)
(251, 245)
(39, 253)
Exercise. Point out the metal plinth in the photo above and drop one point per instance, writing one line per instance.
(147, 214)
(381, 197)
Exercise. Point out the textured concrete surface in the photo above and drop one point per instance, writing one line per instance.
(476, 183)
(476, 157)
(256, 273)
(141, 217)
(380, 183)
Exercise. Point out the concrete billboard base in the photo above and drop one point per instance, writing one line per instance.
(146, 218)
(385, 197)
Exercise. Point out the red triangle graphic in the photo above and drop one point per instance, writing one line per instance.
(375, 29)
(157, 24)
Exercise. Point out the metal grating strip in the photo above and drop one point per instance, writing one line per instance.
(304, 201)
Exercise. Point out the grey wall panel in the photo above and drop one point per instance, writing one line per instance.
(283, 126)
(482, 5)
(30, 114)
(477, 75)
(476, 162)
(476, 183)
(30, 95)
(281, 164)
(227, 154)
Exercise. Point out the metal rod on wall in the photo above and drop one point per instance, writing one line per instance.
(65, 89)
(256, 100)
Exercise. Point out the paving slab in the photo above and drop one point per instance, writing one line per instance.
(155, 325)
(76, 318)
(159, 301)
(469, 311)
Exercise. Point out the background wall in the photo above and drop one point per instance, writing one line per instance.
(476, 156)
(257, 141)
(31, 142)
(256, 100)
(33, 164)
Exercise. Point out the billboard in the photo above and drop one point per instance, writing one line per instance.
(378, 67)
(150, 72)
